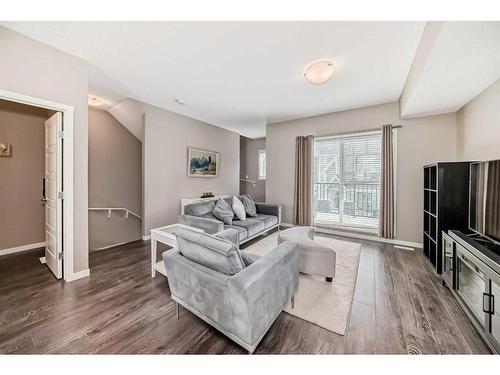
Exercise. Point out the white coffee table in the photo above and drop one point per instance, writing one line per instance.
(165, 235)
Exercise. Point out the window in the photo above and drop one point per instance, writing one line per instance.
(347, 181)
(262, 164)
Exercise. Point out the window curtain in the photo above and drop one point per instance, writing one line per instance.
(302, 197)
(386, 227)
(492, 216)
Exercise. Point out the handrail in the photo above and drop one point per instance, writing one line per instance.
(245, 180)
(109, 209)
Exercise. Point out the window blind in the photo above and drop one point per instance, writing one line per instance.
(346, 184)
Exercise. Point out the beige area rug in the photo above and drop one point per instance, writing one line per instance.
(317, 301)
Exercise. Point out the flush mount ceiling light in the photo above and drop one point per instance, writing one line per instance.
(319, 71)
(179, 101)
(95, 101)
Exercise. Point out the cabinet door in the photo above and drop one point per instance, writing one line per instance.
(471, 282)
(492, 304)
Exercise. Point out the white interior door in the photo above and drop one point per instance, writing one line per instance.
(53, 185)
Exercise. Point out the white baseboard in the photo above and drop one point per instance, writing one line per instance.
(77, 275)
(19, 249)
(404, 247)
(146, 238)
(114, 245)
(362, 236)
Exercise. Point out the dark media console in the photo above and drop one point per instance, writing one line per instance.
(446, 200)
(471, 269)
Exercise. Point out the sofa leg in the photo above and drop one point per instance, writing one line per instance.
(292, 301)
(329, 279)
(177, 310)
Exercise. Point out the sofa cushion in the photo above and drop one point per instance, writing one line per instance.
(252, 226)
(199, 208)
(223, 211)
(239, 209)
(249, 205)
(269, 220)
(217, 254)
(249, 258)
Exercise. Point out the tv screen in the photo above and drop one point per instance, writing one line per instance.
(484, 206)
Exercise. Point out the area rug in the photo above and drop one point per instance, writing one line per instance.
(325, 304)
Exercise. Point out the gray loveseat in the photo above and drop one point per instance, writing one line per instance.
(238, 293)
(199, 215)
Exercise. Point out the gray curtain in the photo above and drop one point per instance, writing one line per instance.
(386, 227)
(492, 214)
(302, 197)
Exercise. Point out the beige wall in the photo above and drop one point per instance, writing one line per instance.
(420, 141)
(22, 217)
(479, 126)
(115, 180)
(167, 136)
(37, 70)
(249, 166)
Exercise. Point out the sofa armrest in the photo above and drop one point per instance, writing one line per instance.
(260, 291)
(211, 226)
(269, 209)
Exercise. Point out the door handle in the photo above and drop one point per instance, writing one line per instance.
(491, 303)
(44, 198)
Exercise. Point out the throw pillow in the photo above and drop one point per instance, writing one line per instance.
(238, 208)
(249, 205)
(223, 211)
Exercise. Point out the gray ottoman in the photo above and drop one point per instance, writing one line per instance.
(314, 259)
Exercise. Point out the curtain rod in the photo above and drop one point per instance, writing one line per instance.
(354, 131)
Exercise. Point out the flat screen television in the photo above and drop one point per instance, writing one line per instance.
(484, 199)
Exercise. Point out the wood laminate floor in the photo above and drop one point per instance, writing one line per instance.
(399, 307)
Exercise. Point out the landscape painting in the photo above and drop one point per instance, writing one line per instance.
(4, 149)
(202, 163)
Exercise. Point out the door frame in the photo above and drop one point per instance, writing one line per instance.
(68, 128)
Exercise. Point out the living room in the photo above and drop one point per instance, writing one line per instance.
(262, 187)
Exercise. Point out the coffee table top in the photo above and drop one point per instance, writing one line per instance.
(171, 229)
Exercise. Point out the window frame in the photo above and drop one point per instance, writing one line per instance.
(356, 228)
(261, 177)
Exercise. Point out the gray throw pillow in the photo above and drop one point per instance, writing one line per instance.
(223, 211)
(249, 205)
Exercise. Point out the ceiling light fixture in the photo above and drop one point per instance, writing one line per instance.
(179, 101)
(319, 71)
(95, 101)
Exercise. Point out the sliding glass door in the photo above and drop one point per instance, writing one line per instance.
(346, 181)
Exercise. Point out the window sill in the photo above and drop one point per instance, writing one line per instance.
(367, 231)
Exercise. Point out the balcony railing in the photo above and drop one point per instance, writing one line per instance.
(359, 206)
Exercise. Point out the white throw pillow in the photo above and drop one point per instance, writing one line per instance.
(239, 209)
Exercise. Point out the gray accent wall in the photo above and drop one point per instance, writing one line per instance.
(32, 68)
(249, 166)
(167, 136)
(22, 216)
(421, 141)
(479, 126)
(115, 180)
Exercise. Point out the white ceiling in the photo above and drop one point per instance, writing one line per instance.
(238, 75)
(242, 75)
(454, 63)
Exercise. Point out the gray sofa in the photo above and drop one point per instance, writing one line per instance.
(238, 293)
(199, 215)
